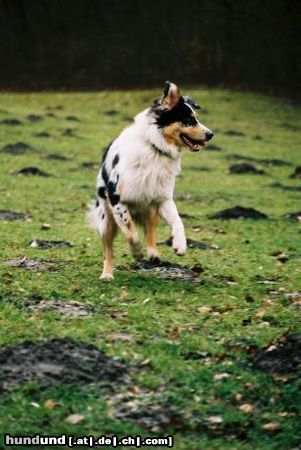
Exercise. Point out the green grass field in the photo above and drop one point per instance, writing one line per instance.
(188, 345)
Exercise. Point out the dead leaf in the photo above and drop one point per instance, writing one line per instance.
(215, 419)
(204, 309)
(75, 418)
(221, 376)
(271, 426)
(50, 404)
(247, 408)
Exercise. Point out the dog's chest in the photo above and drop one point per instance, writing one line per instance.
(151, 179)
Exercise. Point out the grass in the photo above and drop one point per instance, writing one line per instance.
(162, 317)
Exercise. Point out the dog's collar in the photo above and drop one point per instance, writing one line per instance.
(161, 152)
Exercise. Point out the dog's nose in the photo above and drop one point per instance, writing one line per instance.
(209, 135)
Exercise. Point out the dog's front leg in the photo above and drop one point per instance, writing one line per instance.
(168, 211)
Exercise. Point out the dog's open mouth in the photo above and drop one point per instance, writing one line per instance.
(193, 144)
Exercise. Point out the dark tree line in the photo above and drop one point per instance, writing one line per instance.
(91, 44)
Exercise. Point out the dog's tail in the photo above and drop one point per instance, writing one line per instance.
(98, 215)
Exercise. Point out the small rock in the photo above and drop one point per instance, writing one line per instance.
(75, 418)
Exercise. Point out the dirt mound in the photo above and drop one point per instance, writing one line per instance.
(33, 171)
(5, 214)
(68, 308)
(191, 243)
(57, 361)
(17, 149)
(34, 118)
(12, 122)
(285, 188)
(43, 244)
(43, 134)
(282, 357)
(245, 168)
(32, 264)
(169, 271)
(297, 173)
(239, 212)
(264, 161)
(294, 216)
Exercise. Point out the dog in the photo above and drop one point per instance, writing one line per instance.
(137, 176)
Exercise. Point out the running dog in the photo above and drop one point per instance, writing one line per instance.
(137, 175)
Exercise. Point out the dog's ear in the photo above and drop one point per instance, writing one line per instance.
(191, 102)
(170, 97)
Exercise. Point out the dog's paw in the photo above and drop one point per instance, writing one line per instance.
(106, 276)
(179, 244)
(153, 255)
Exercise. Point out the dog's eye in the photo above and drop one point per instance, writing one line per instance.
(189, 121)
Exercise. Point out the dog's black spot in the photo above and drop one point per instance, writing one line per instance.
(105, 152)
(11, 122)
(33, 171)
(102, 192)
(239, 212)
(103, 216)
(114, 198)
(245, 168)
(180, 113)
(104, 174)
(97, 203)
(115, 161)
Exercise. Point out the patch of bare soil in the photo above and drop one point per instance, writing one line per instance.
(32, 264)
(264, 161)
(239, 212)
(44, 244)
(191, 243)
(242, 168)
(57, 361)
(169, 271)
(282, 357)
(6, 214)
(68, 308)
(35, 171)
(17, 149)
(285, 188)
(11, 121)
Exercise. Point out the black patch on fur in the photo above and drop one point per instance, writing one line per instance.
(104, 174)
(97, 203)
(180, 113)
(102, 192)
(115, 161)
(103, 216)
(114, 198)
(166, 88)
(105, 152)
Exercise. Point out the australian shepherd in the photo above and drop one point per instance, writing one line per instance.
(137, 176)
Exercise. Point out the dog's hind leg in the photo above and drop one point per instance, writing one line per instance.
(108, 236)
(126, 224)
(151, 221)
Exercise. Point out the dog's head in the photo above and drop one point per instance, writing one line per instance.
(175, 116)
